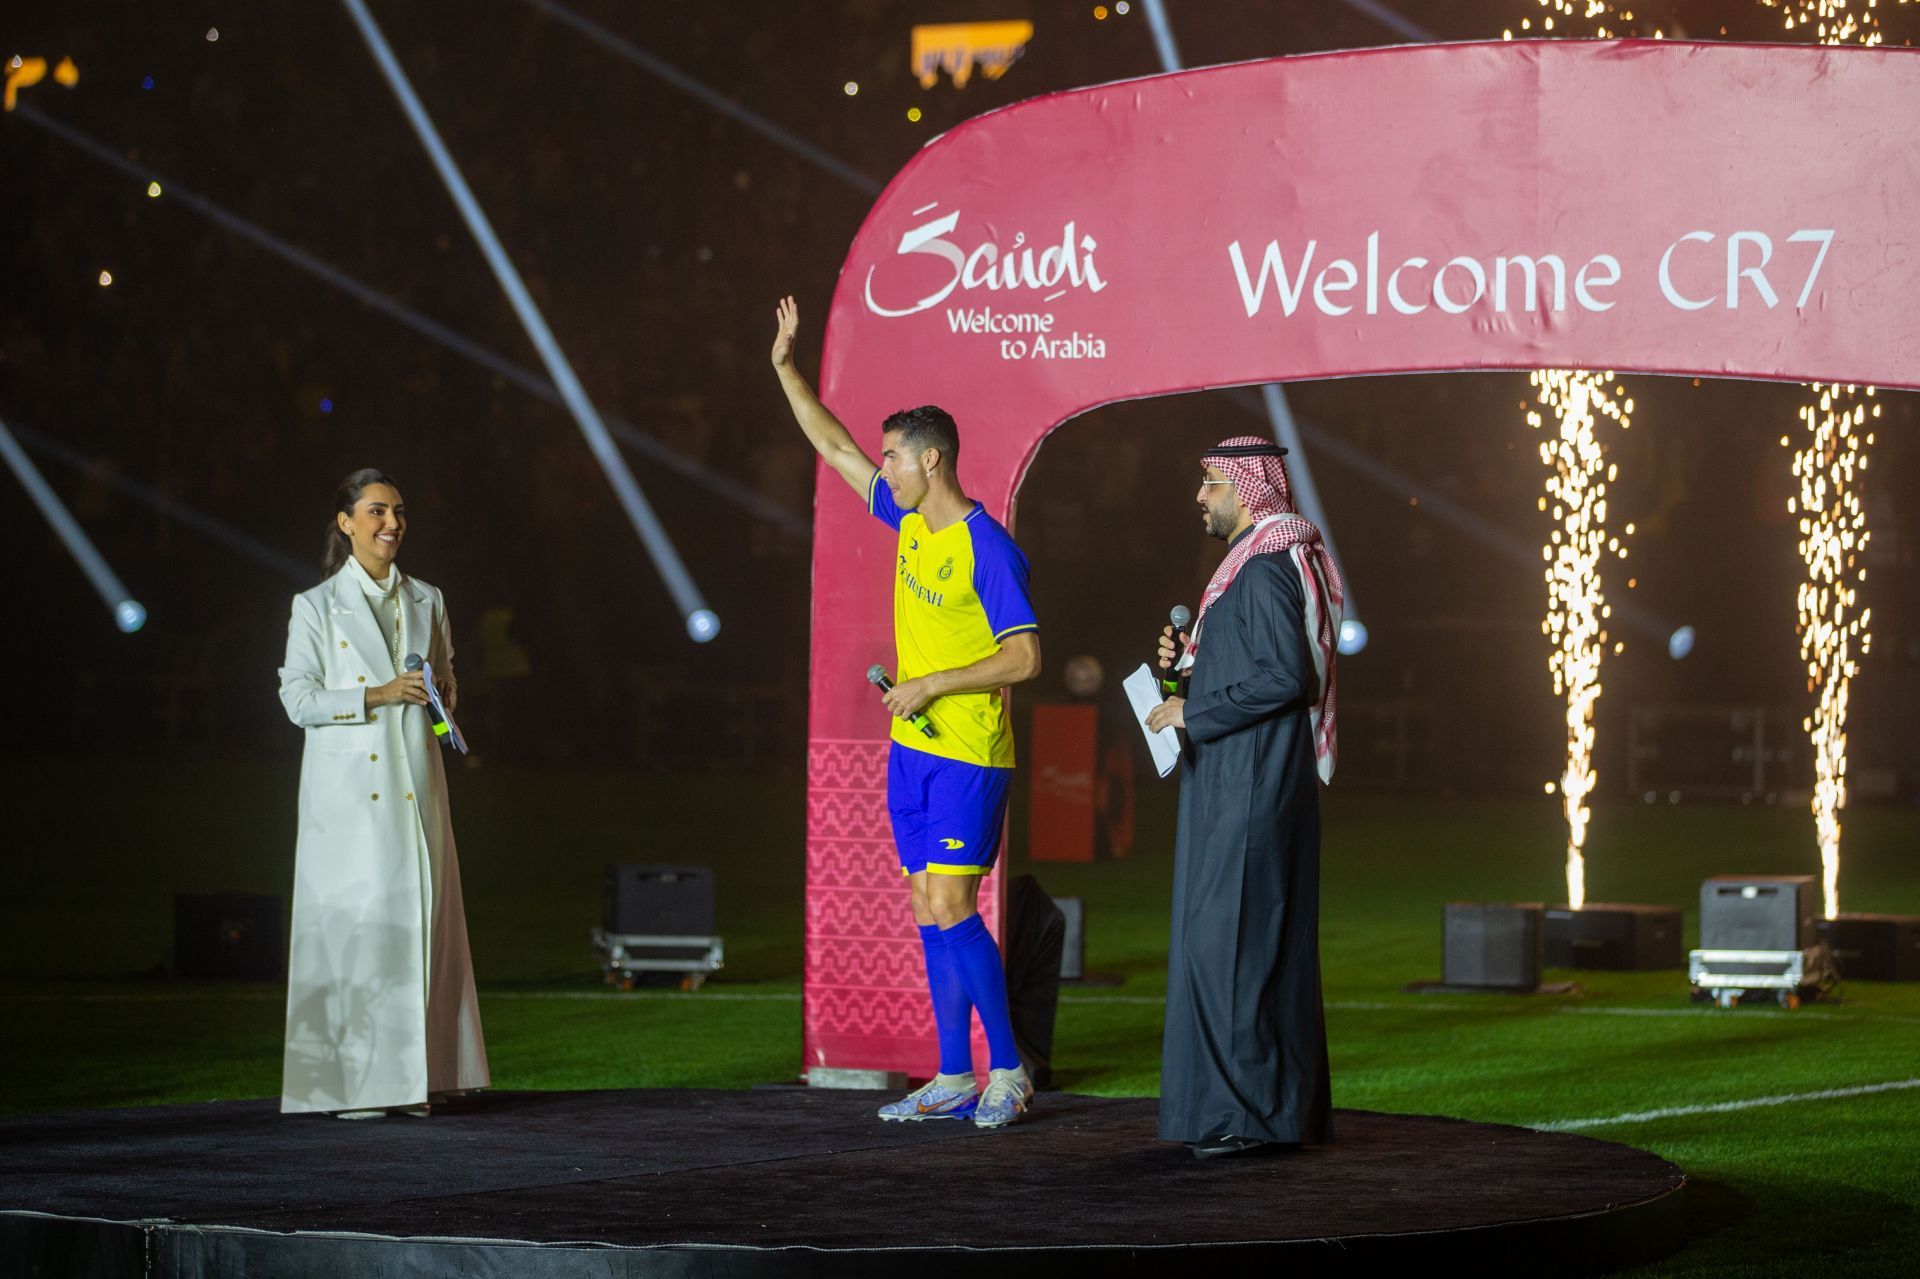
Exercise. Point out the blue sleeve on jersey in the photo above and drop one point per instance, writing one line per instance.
(1000, 580)
(880, 502)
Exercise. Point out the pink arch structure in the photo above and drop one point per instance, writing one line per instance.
(1661, 207)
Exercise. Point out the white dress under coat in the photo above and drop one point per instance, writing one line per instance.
(381, 1009)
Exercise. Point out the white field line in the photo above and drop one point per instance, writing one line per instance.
(1142, 1001)
(1726, 1107)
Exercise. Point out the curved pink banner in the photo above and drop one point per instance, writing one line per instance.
(1709, 210)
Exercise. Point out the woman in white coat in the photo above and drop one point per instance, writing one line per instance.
(381, 1011)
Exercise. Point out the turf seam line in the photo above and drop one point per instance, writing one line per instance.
(1725, 1107)
(723, 996)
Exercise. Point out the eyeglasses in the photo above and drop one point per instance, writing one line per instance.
(1210, 483)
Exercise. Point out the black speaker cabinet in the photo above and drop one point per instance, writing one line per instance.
(229, 935)
(1613, 937)
(1758, 912)
(1497, 946)
(1874, 947)
(1034, 932)
(658, 901)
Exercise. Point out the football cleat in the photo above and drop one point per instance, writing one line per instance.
(933, 1100)
(1004, 1101)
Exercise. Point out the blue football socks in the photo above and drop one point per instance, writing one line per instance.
(952, 1010)
(973, 957)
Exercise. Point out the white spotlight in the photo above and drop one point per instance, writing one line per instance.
(130, 616)
(1680, 643)
(1353, 636)
(703, 624)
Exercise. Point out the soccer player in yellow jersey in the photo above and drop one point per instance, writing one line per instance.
(964, 628)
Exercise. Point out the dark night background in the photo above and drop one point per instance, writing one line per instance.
(656, 234)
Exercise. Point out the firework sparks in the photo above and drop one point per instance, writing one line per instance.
(1577, 609)
(1576, 497)
(1828, 466)
(1833, 543)
(1833, 524)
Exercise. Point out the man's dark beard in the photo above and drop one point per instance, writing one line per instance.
(1219, 525)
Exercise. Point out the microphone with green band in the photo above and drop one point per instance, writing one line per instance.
(877, 676)
(434, 709)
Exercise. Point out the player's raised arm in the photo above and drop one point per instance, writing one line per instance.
(823, 430)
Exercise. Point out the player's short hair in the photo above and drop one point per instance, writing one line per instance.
(927, 427)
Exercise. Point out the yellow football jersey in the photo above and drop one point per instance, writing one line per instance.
(957, 594)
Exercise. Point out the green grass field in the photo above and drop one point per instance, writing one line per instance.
(1808, 1187)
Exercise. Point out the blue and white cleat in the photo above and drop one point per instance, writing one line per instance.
(933, 1100)
(1005, 1100)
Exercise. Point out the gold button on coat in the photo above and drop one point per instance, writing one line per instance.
(409, 797)
(376, 794)
(375, 757)
(363, 679)
(343, 643)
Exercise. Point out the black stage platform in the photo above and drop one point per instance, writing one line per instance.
(792, 1182)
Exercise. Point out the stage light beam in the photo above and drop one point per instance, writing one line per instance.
(1286, 432)
(128, 613)
(516, 374)
(639, 511)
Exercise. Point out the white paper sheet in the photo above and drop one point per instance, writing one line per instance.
(1143, 693)
(458, 742)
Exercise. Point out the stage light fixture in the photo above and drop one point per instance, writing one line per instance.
(127, 613)
(1353, 636)
(1680, 643)
(703, 624)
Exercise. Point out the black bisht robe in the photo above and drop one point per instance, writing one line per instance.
(1246, 1039)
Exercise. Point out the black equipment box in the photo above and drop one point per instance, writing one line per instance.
(229, 935)
(1496, 946)
(1613, 937)
(1035, 929)
(657, 900)
(1874, 947)
(1758, 912)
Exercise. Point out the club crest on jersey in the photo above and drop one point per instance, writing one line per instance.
(946, 570)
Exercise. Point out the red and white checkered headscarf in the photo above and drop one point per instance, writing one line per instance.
(1261, 482)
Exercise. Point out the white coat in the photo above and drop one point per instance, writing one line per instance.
(381, 1009)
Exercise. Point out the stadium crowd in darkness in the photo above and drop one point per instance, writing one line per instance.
(656, 233)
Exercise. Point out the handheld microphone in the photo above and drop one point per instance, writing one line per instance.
(1170, 678)
(877, 676)
(413, 663)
